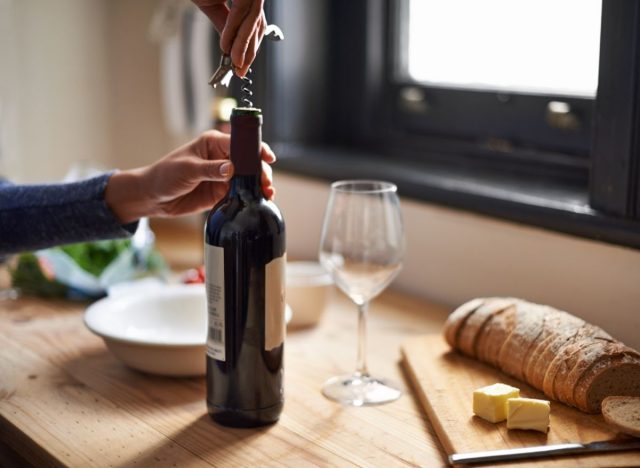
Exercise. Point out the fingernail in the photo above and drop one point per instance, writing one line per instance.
(225, 169)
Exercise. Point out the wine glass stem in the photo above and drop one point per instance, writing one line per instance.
(361, 367)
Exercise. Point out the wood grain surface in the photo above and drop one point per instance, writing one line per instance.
(444, 382)
(65, 400)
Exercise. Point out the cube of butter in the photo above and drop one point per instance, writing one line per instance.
(490, 402)
(528, 413)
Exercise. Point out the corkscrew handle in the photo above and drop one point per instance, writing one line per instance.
(224, 72)
(225, 69)
(274, 33)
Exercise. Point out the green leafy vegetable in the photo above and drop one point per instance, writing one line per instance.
(32, 275)
(94, 257)
(27, 276)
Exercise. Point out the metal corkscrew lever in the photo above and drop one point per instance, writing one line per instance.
(225, 69)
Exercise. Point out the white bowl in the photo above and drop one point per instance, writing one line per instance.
(308, 286)
(160, 330)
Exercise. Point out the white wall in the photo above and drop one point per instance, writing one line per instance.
(453, 256)
(79, 82)
(54, 86)
(137, 128)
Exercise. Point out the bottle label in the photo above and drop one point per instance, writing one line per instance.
(274, 300)
(214, 263)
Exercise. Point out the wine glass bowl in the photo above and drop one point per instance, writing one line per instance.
(362, 247)
(361, 281)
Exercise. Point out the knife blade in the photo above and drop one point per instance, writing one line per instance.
(542, 451)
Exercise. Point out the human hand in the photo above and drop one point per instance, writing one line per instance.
(241, 28)
(191, 178)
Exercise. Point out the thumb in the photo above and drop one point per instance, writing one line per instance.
(217, 170)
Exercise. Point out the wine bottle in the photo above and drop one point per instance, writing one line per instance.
(245, 262)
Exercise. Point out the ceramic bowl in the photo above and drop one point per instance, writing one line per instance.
(308, 287)
(160, 330)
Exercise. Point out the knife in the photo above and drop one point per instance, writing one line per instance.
(542, 451)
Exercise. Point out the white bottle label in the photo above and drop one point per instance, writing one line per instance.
(214, 261)
(274, 301)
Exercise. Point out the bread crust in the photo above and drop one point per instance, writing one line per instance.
(616, 358)
(571, 369)
(529, 319)
(550, 324)
(536, 341)
(569, 354)
(494, 334)
(562, 327)
(457, 318)
(475, 322)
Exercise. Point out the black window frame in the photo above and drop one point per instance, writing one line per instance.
(489, 119)
(331, 112)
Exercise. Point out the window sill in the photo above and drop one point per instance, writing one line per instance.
(536, 201)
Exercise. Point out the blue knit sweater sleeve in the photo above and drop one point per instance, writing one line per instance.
(38, 216)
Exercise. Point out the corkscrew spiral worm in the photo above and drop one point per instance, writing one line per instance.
(247, 94)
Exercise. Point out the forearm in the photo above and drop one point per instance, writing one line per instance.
(39, 216)
(124, 196)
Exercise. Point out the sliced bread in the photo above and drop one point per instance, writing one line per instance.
(475, 322)
(617, 375)
(564, 326)
(567, 356)
(529, 319)
(457, 319)
(623, 413)
(569, 360)
(494, 334)
(573, 367)
(544, 332)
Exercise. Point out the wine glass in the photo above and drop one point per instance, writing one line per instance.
(362, 246)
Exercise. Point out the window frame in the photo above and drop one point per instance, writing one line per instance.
(615, 160)
(490, 117)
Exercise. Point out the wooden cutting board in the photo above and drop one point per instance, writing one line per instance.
(444, 382)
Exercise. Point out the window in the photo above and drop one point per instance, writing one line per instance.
(528, 111)
(509, 75)
(537, 47)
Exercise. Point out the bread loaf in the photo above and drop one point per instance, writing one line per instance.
(568, 359)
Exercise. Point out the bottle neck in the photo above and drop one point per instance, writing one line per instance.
(246, 140)
(246, 187)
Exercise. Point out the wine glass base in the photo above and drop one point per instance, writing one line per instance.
(360, 390)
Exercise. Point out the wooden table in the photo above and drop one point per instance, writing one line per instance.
(65, 400)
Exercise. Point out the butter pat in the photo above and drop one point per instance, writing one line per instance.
(528, 413)
(490, 402)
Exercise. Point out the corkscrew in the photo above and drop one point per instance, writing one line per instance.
(225, 69)
(247, 94)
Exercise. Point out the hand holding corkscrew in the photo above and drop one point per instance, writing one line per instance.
(226, 68)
